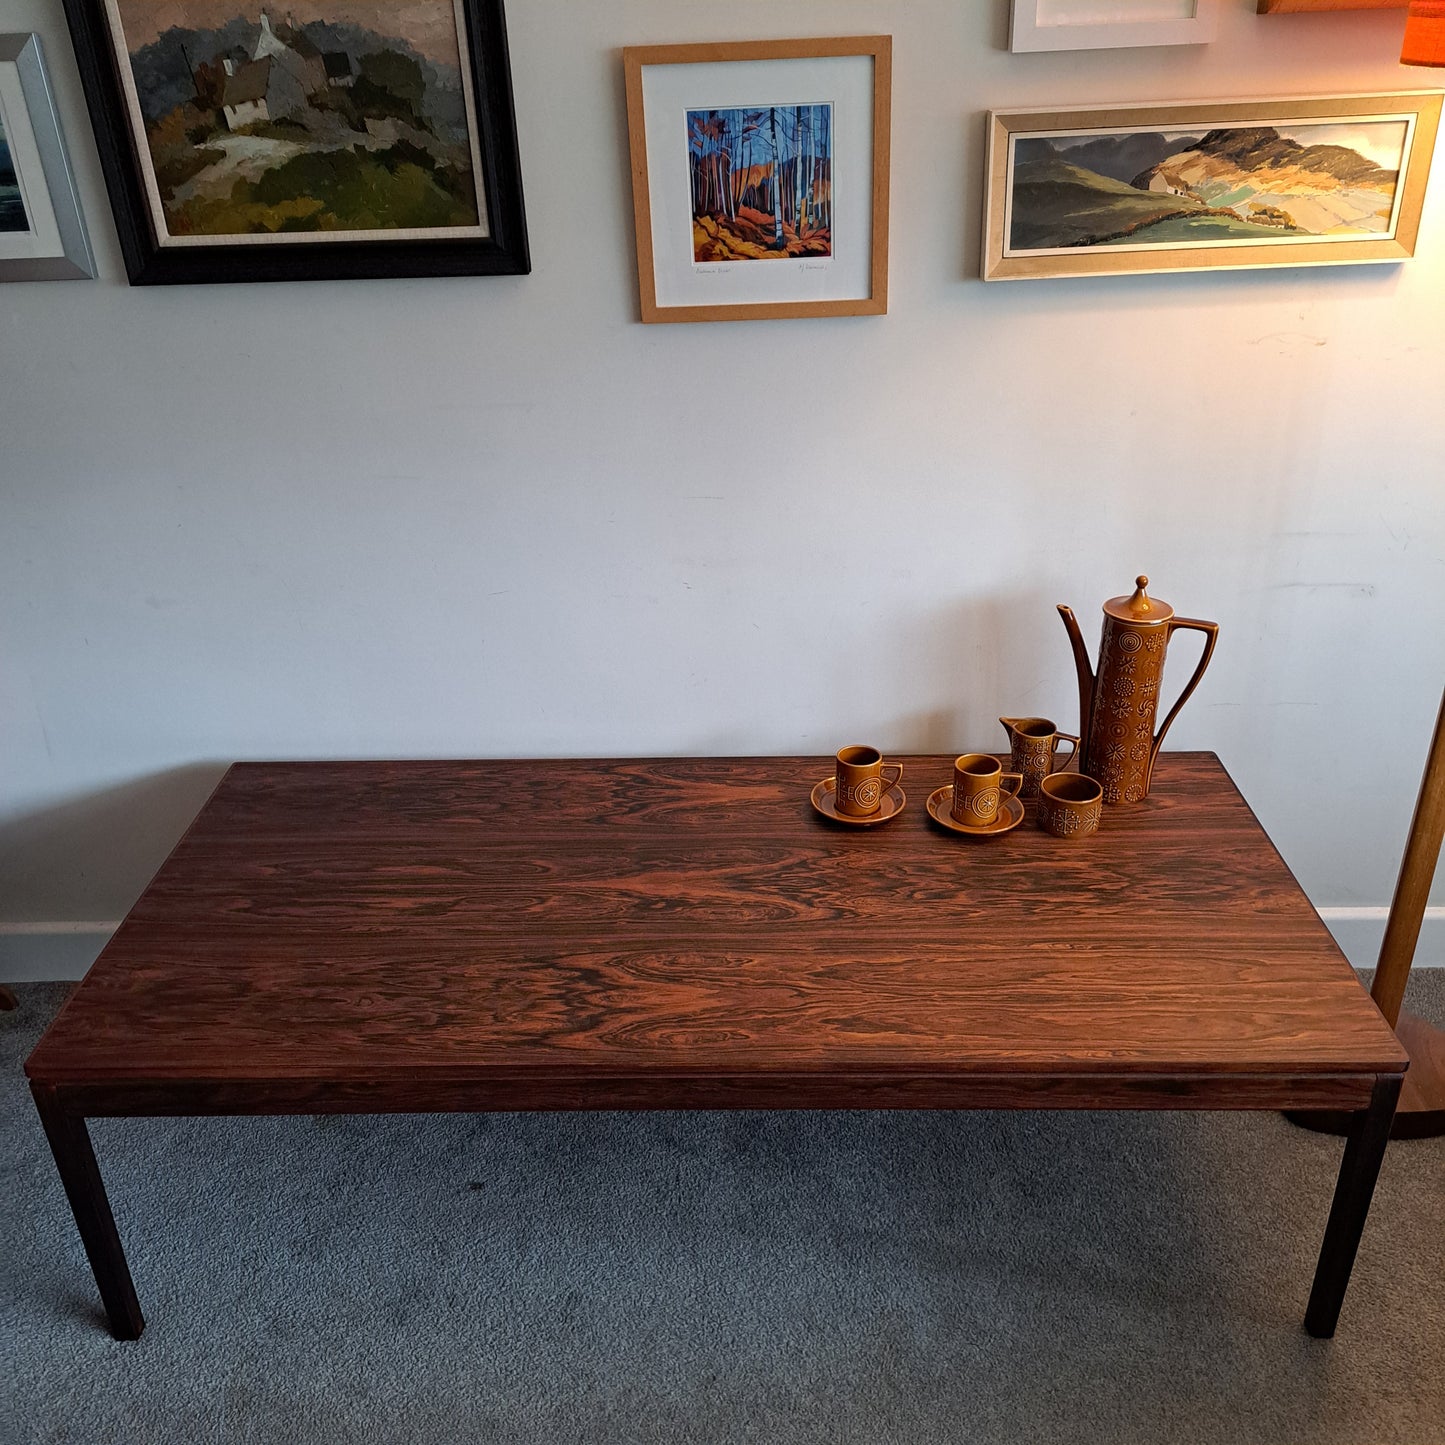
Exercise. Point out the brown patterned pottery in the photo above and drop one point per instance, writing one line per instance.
(1117, 706)
(1009, 815)
(1033, 744)
(1070, 805)
(824, 798)
(859, 782)
(979, 782)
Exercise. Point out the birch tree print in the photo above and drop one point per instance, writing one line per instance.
(762, 182)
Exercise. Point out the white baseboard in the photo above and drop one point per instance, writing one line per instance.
(31, 951)
(1359, 932)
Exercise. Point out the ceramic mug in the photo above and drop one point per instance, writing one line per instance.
(978, 782)
(1033, 744)
(1070, 805)
(859, 780)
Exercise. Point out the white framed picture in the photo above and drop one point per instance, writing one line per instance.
(1104, 24)
(42, 232)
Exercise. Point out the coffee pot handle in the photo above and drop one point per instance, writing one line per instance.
(1211, 633)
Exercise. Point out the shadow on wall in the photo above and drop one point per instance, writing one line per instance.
(88, 860)
(1002, 652)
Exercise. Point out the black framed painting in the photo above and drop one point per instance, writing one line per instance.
(244, 141)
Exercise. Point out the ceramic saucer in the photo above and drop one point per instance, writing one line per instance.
(892, 805)
(940, 809)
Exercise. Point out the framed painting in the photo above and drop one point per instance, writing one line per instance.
(42, 230)
(1104, 24)
(760, 177)
(330, 139)
(1294, 7)
(1316, 181)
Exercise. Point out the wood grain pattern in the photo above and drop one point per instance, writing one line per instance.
(643, 932)
(479, 1092)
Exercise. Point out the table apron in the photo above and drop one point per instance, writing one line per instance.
(421, 1093)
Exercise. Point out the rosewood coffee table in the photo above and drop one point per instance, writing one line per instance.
(687, 934)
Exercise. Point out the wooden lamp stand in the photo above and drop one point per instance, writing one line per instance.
(1421, 1111)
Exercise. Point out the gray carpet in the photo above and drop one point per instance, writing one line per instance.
(774, 1277)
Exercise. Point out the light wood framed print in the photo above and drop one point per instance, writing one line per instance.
(42, 230)
(1104, 24)
(760, 177)
(1309, 181)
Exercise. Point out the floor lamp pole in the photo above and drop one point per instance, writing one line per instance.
(1421, 1112)
(1412, 891)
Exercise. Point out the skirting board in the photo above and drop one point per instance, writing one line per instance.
(33, 951)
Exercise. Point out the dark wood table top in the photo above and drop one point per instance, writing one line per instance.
(687, 932)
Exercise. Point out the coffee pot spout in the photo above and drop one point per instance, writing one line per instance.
(1084, 667)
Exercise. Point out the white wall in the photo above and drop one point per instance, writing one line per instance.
(499, 516)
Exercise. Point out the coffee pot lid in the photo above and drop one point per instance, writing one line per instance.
(1139, 607)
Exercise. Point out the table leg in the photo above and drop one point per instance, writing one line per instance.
(79, 1173)
(1364, 1150)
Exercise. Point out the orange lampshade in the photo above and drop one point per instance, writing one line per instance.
(1424, 33)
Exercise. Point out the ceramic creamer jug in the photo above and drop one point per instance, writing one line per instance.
(1118, 704)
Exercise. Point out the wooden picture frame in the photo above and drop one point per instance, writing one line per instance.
(1301, 7)
(42, 229)
(760, 177)
(1168, 187)
(1088, 25)
(385, 153)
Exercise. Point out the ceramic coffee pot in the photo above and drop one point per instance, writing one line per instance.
(1117, 706)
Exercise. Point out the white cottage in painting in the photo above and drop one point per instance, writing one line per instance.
(285, 70)
(244, 98)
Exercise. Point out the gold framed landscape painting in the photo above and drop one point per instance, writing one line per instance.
(1313, 181)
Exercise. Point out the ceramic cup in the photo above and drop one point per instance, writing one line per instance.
(1070, 805)
(978, 782)
(1034, 743)
(860, 779)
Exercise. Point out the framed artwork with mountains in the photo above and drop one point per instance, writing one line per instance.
(1314, 181)
(282, 140)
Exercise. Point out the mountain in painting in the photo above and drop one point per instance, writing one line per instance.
(1246, 183)
(1319, 189)
(1120, 157)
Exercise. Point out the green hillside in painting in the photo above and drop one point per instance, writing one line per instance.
(1057, 204)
